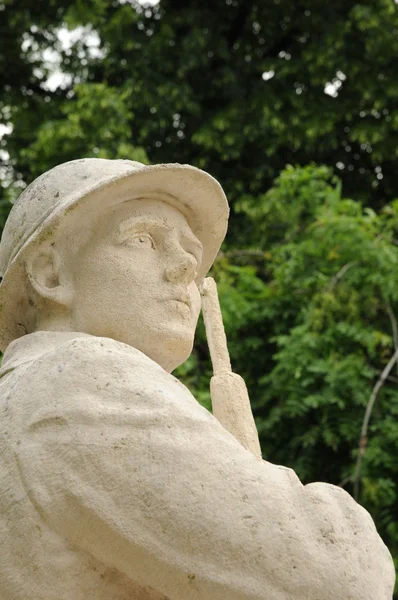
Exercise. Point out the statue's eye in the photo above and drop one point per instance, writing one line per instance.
(142, 240)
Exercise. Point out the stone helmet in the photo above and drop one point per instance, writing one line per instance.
(43, 208)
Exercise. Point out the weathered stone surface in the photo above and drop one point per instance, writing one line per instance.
(115, 483)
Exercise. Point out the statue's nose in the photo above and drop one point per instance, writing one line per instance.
(183, 271)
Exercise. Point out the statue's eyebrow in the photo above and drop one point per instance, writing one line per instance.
(136, 224)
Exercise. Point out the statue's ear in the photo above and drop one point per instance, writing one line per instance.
(47, 275)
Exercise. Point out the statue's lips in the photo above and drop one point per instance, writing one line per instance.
(184, 300)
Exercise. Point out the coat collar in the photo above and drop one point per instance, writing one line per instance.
(29, 347)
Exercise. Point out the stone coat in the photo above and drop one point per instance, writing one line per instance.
(115, 484)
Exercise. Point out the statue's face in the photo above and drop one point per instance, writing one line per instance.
(134, 281)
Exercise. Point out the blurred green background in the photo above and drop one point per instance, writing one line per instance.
(293, 106)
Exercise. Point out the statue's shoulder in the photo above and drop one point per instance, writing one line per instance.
(91, 351)
(92, 348)
(87, 377)
(56, 356)
(107, 356)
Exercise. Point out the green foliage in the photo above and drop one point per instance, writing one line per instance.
(307, 308)
(96, 124)
(310, 324)
(236, 87)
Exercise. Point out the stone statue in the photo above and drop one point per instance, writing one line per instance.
(115, 483)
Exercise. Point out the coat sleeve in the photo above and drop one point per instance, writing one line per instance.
(120, 459)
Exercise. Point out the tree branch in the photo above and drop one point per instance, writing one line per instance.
(345, 481)
(363, 440)
(340, 274)
(235, 253)
(394, 327)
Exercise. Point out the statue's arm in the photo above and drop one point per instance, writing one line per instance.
(121, 461)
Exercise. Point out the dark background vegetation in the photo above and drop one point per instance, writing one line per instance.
(293, 106)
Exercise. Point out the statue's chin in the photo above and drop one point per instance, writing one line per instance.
(176, 353)
(177, 364)
(169, 352)
(173, 359)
